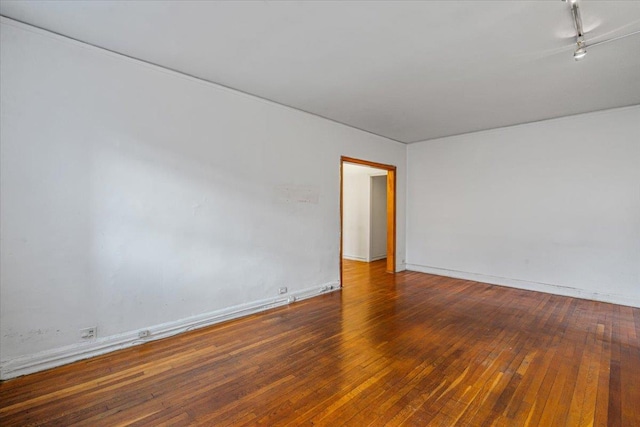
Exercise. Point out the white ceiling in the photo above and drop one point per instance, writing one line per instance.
(409, 71)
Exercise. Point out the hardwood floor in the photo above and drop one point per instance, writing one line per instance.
(404, 349)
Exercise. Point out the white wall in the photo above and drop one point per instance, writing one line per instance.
(551, 206)
(355, 213)
(378, 226)
(138, 198)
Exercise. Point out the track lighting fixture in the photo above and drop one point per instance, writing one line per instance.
(581, 49)
(581, 44)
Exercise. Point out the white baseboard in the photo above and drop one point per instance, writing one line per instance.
(23, 365)
(363, 259)
(354, 258)
(528, 285)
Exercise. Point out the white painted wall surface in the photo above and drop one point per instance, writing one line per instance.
(134, 197)
(378, 223)
(552, 206)
(356, 213)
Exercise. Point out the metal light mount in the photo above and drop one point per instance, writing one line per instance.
(581, 50)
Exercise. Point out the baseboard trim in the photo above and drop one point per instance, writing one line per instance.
(354, 258)
(357, 258)
(528, 285)
(24, 365)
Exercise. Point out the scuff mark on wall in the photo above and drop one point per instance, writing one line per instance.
(297, 194)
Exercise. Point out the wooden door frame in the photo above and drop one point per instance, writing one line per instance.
(391, 208)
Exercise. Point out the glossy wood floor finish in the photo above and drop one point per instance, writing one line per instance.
(410, 349)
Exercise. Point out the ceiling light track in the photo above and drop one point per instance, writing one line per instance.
(614, 39)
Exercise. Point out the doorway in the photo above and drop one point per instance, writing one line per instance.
(390, 208)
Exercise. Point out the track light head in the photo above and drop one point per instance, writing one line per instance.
(580, 52)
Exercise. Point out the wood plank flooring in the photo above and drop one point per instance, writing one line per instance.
(405, 349)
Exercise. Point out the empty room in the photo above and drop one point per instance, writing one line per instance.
(335, 213)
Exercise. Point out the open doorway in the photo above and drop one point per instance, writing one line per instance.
(364, 213)
(377, 184)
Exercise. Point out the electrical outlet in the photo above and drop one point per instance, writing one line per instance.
(144, 334)
(89, 333)
(282, 290)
